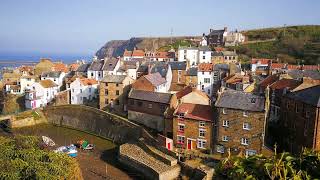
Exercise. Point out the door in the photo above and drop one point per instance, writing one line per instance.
(169, 146)
(189, 144)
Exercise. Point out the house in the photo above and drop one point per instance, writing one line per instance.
(83, 90)
(240, 123)
(114, 91)
(261, 66)
(193, 96)
(136, 53)
(162, 56)
(192, 77)
(69, 79)
(238, 82)
(217, 37)
(11, 77)
(165, 71)
(178, 75)
(189, 54)
(73, 67)
(111, 66)
(127, 55)
(234, 38)
(300, 120)
(205, 78)
(130, 67)
(55, 76)
(204, 41)
(192, 126)
(59, 66)
(151, 82)
(149, 108)
(41, 93)
(217, 57)
(13, 88)
(95, 70)
(26, 81)
(229, 57)
(205, 54)
(26, 70)
(83, 70)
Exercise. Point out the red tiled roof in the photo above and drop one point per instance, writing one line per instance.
(26, 68)
(293, 67)
(86, 81)
(127, 53)
(219, 49)
(311, 67)
(262, 61)
(73, 67)
(162, 54)
(60, 67)
(206, 67)
(285, 83)
(269, 80)
(278, 65)
(138, 53)
(187, 90)
(195, 111)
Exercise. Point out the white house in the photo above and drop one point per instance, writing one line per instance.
(204, 41)
(260, 64)
(39, 94)
(190, 54)
(128, 68)
(205, 54)
(26, 81)
(83, 90)
(234, 38)
(95, 70)
(55, 76)
(205, 78)
(111, 66)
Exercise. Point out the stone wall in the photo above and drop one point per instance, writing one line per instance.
(95, 121)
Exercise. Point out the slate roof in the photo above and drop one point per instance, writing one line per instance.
(177, 65)
(160, 68)
(150, 96)
(309, 96)
(52, 74)
(285, 83)
(47, 83)
(217, 53)
(96, 65)
(192, 71)
(216, 32)
(240, 100)
(195, 111)
(298, 74)
(83, 68)
(110, 64)
(155, 79)
(114, 78)
(221, 67)
(204, 48)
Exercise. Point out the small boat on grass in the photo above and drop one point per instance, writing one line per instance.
(70, 150)
(83, 144)
(48, 141)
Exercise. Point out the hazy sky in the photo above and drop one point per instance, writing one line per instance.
(83, 26)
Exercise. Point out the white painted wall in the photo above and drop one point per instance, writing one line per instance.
(189, 54)
(205, 86)
(97, 75)
(25, 82)
(205, 56)
(79, 92)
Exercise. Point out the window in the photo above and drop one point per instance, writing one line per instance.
(72, 98)
(202, 124)
(179, 72)
(225, 138)
(117, 84)
(209, 91)
(89, 90)
(117, 102)
(180, 139)
(106, 101)
(245, 113)
(181, 115)
(185, 57)
(202, 72)
(54, 79)
(307, 113)
(181, 127)
(250, 152)
(92, 74)
(139, 103)
(201, 143)
(117, 92)
(225, 123)
(246, 126)
(162, 108)
(224, 110)
(220, 149)
(206, 80)
(80, 90)
(149, 106)
(203, 57)
(106, 92)
(107, 84)
(202, 87)
(202, 133)
(245, 141)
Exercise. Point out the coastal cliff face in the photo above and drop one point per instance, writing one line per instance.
(116, 48)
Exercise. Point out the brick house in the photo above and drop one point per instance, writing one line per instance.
(300, 116)
(240, 123)
(191, 77)
(151, 82)
(114, 91)
(178, 75)
(192, 126)
(150, 108)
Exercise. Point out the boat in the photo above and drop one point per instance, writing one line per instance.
(48, 141)
(83, 144)
(89, 147)
(70, 150)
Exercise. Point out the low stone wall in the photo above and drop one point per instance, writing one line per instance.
(29, 121)
(93, 120)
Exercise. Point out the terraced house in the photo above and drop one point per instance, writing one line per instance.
(114, 91)
(192, 126)
(240, 123)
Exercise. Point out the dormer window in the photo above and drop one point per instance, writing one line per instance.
(181, 115)
(253, 100)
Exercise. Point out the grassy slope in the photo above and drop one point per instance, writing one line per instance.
(294, 44)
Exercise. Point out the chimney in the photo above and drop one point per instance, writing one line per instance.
(211, 30)
(225, 29)
(203, 35)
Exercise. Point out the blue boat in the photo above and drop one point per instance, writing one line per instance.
(69, 150)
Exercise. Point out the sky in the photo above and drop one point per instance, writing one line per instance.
(81, 27)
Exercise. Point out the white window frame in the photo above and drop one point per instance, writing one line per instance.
(225, 138)
(250, 152)
(181, 125)
(201, 143)
(224, 111)
(246, 126)
(180, 138)
(244, 141)
(225, 123)
(245, 113)
(202, 131)
(202, 124)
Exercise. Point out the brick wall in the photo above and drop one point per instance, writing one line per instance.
(191, 81)
(143, 84)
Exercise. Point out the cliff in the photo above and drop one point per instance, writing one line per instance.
(116, 48)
